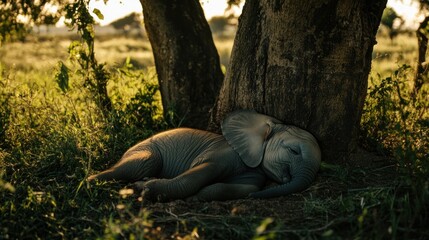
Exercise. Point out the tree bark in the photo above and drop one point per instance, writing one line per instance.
(422, 69)
(306, 63)
(186, 60)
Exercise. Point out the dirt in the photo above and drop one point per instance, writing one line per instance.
(297, 215)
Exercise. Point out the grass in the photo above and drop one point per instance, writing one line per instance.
(51, 139)
(389, 54)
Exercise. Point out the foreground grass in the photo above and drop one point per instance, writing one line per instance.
(50, 140)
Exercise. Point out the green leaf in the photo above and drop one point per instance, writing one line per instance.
(97, 12)
(62, 77)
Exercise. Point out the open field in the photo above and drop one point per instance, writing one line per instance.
(390, 54)
(42, 56)
(52, 139)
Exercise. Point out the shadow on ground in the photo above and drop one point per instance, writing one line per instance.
(330, 208)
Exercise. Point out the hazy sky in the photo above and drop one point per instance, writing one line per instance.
(120, 8)
(408, 9)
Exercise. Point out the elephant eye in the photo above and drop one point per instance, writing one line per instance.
(294, 151)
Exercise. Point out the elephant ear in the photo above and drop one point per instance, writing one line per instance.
(247, 132)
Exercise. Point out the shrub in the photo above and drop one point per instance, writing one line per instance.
(53, 135)
(396, 122)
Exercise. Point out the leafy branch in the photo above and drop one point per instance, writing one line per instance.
(95, 74)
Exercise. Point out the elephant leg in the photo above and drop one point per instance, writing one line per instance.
(237, 187)
(132, 167)
(184, 185)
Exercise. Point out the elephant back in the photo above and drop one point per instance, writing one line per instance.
(179, 147)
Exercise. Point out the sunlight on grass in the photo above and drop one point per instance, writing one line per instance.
(388, 54)
(224, 47)
(116, 51)
(52, 138)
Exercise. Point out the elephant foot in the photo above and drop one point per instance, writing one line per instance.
(150, 190)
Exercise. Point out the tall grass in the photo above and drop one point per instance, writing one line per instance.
(52, 135)
(396, 123)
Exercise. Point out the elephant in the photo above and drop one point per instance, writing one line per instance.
(196, 164)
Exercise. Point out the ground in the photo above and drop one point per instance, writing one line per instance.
(55, 139)
(312, 213)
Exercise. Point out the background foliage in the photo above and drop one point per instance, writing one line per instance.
(54, 131)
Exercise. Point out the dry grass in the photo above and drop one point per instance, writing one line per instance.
(389, 54)
(56, 138)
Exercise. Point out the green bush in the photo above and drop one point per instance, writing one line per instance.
(53, 134)
(5, 110)
(396, 122)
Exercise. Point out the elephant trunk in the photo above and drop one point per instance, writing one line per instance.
(297, 184)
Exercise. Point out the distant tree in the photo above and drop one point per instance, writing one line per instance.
(18, 16)
(388, 19)
(218, 24)
(48, 20)
(131, 21)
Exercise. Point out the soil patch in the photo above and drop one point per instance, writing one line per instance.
(314, 212)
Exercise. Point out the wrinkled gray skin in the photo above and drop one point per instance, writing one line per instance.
(190, 163)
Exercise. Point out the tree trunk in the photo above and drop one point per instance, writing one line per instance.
(306, 63)
(421, 70)
(186, 60)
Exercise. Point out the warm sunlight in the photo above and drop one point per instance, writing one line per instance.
(204, 120)
(408, 10)
(115, 9)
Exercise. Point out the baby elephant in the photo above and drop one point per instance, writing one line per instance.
(208, 166)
